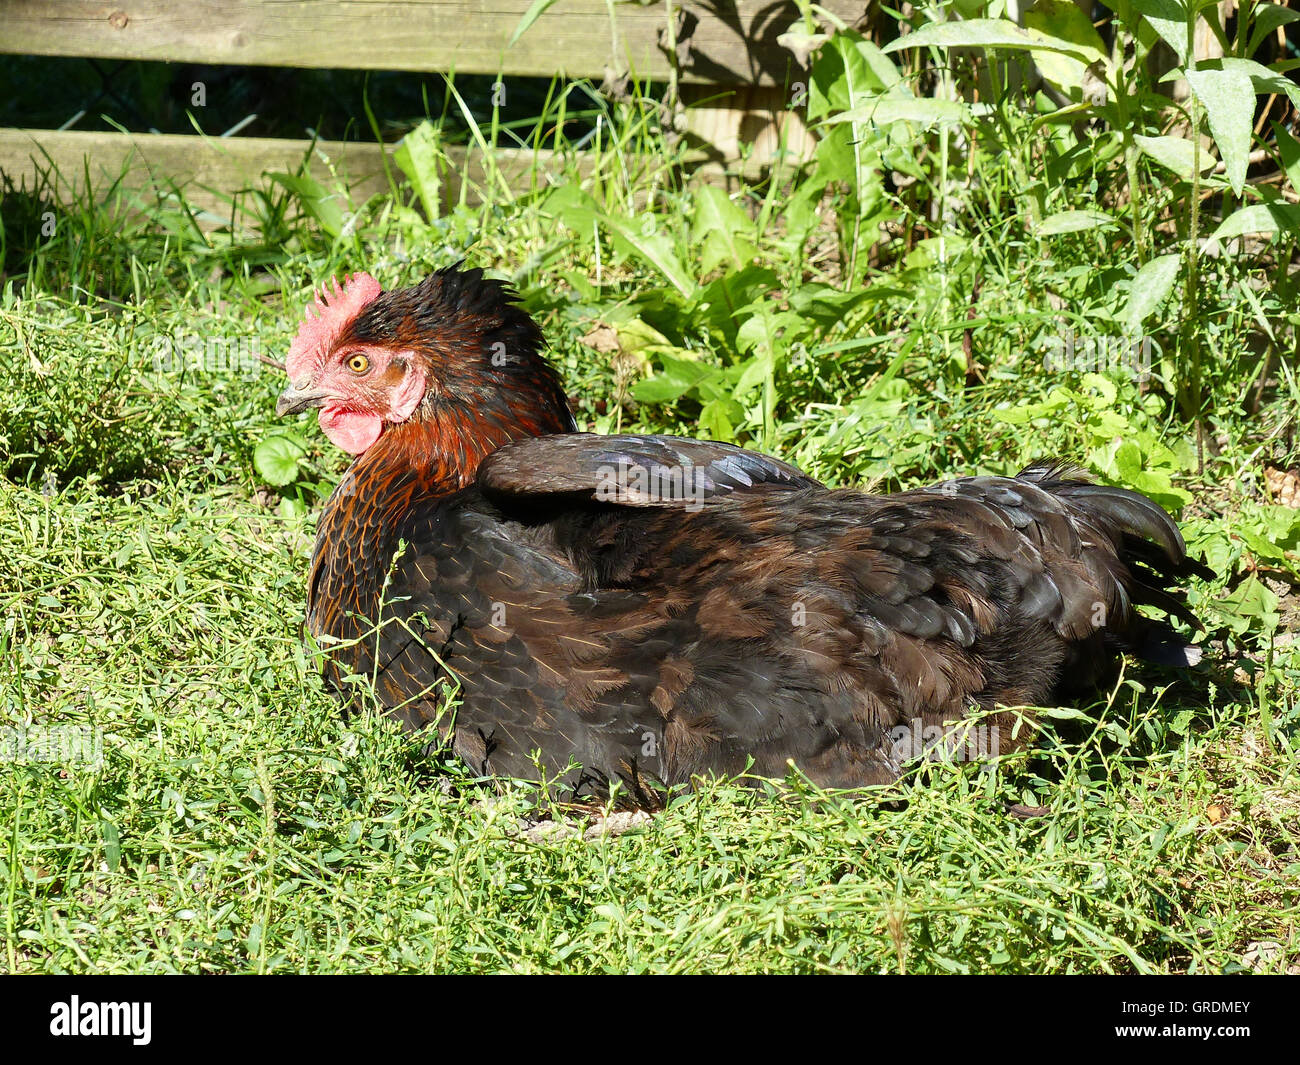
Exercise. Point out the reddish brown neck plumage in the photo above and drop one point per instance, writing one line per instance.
(444, 442)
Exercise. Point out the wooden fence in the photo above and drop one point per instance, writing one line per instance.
(724, 52)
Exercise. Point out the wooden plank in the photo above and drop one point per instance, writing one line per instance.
(206, 167)
(721, 41)
(723, 121)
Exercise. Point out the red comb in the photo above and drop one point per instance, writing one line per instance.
(333, 310)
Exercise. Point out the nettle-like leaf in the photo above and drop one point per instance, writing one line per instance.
(1169, 19)
(1073, 222)
(1149, 289)
(1229, 100)
(1263, 218)
(1177, 154)
(1062, 20)
(319, 202)
(418, 156)
(721, 231)
(992, 33)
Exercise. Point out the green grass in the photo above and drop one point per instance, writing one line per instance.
(238, 824)
(152, 588)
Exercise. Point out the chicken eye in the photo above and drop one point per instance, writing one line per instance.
(358, 364)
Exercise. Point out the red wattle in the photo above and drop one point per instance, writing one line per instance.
(351, 430)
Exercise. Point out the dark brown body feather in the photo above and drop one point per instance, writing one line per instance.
(752, 617)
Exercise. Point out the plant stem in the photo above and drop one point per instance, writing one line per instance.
(1191, 383)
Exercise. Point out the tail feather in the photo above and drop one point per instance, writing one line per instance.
(1157, 647)
(1149, 556)
(1163, 599)
(1151, 550)
(1127, 511)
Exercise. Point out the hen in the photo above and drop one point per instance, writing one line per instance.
(646, 608)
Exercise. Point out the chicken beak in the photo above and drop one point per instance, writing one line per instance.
(294, 399)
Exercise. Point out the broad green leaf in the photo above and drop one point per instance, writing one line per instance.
(1282, 524)
(1072, 222)
(716, 419)
(321, 204)
(756, 370)
(988, 33)
(677, 378)
(1229, 99)
(1150, 288)
(1063, 20)
(1169, 19)
(1265, 19)
(639, 238)
(112, 844)
(721, 230)
(1261, 547)
(763, 326)
(1027, 412)
(1065, 713)
(418, 156)
(635, 335)
(826, 306)
(1176, 153)
(277, 459)
(1262, 79)
(1139, 472)
(1288, 150)
(1260, 218)
(652, 247)
(713, 307)
(848, 71)
(936, 251)
(662, 388)
(574, 207)
(880, 64)
(1249, 606)
(1103, 386)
